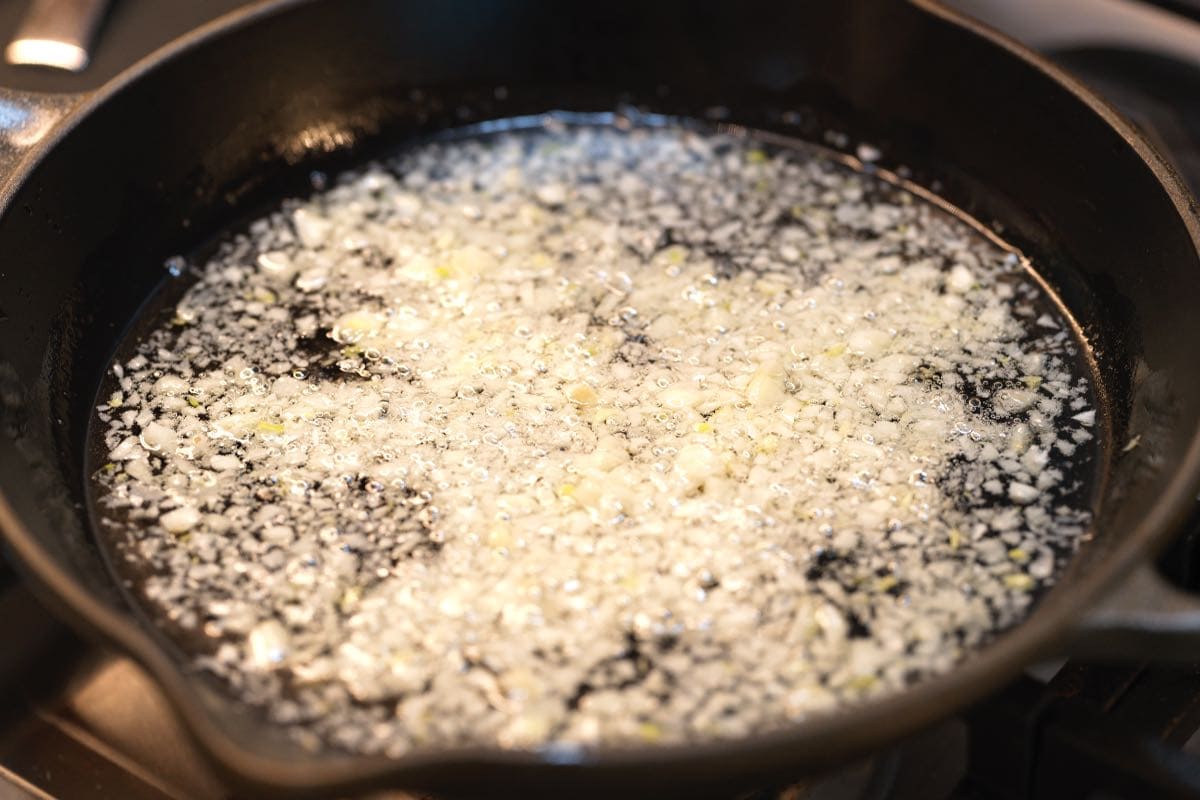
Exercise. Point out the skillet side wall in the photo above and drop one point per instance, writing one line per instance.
(159, 166)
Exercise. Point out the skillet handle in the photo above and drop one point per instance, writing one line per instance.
(1144, 618)
(26, 119)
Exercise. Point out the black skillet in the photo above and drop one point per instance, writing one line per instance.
(99, 189)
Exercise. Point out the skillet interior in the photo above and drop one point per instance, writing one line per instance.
(238, 119)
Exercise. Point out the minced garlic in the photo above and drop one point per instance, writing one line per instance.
(587, 436)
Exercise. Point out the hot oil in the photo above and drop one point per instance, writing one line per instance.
(1080, 487)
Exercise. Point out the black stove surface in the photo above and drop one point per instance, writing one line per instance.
(78, 722)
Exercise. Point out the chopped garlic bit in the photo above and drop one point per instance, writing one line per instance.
(1085, 418)
(581, 394)
(766, 388)
(696, 464)
(225, 462)
(267, 645)
(1022, 493)
(180, 520)
(158, 437)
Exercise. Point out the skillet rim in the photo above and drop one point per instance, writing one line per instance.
(810, 744)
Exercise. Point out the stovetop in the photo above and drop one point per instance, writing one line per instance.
(78, 722)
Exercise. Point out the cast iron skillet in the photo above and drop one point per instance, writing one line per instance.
(101, 188)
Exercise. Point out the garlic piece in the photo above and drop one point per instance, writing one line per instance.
(581, 394)
(267, 645)
(181, 520)
(765, 388)
(159, 438)
(312, 229)
(696, 463)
